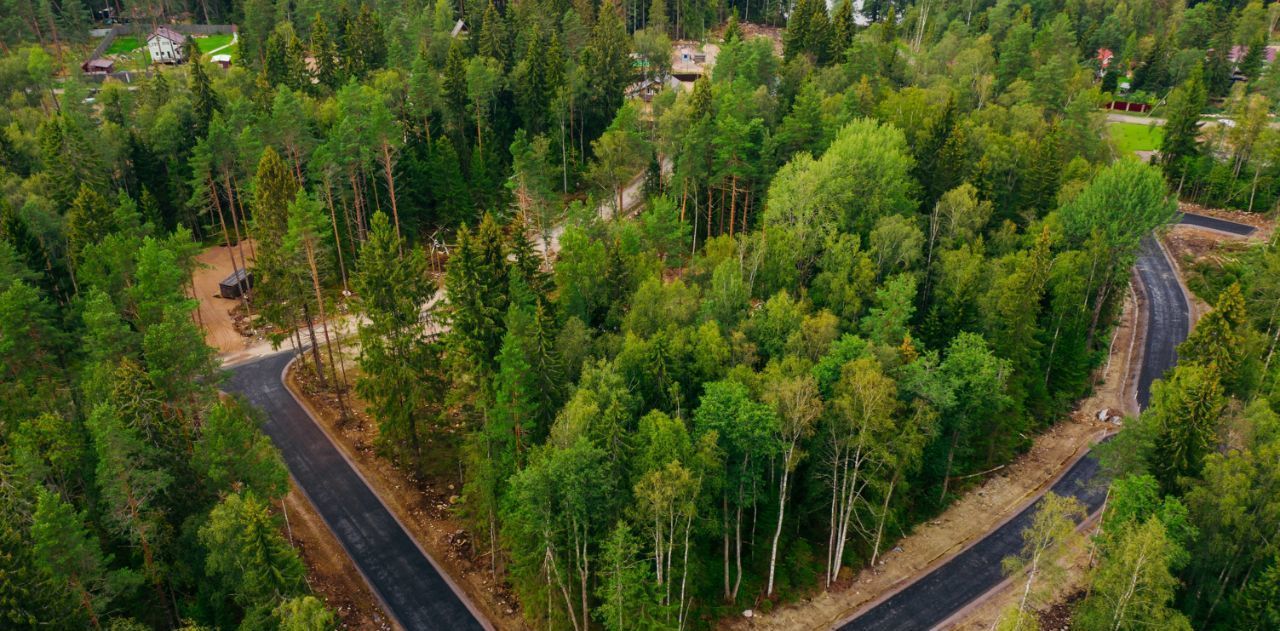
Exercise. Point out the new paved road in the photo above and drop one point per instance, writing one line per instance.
(947, 589)
(412, 589)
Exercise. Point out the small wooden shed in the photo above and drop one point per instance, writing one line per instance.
(98, 66)
(233, 285)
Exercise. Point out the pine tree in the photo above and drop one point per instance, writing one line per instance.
(449, 187)
(1219, 338)
(512, 423)
(88, 220)
(1251, 64)
(606, 59)
(131, 487)
(732, 31)
(1184, 415)
(626, 598)
(455, 86)
(325, 52)
(657, 18)
(843, 28)
(363, 44)
(232, 453)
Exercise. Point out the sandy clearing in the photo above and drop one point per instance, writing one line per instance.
(216, 312)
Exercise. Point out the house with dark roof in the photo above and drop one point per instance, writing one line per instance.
(167, 46)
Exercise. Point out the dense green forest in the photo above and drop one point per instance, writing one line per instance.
(864, 270)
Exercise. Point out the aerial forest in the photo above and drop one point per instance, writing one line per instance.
(687, 355)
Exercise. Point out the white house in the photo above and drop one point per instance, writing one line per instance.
(167, 46)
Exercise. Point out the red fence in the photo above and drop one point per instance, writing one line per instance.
(1126, 106)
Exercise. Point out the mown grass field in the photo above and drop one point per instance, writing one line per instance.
(1131, 137)
(212, 42)
(122, 45)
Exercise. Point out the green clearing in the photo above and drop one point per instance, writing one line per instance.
(122, 45)
(1131, 137)
(212, 42)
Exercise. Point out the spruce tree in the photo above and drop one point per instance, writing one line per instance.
(400, 375)
(476, 288)
(204, 99)
(494, 39)
(1181, 144)
(66, 551)
(1251, 64)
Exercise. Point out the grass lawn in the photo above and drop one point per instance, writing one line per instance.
(212, 42)
(1130, 137)
(121, 45)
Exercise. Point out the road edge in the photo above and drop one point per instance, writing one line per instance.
(1145, 317)
(945, 558)
(448, 579)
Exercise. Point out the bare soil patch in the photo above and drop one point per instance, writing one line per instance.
(330, 572)
(774, 33)
(225, 326)
(424, 505)
(1190, 247)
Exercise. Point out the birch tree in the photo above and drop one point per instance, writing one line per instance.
(743, 428)
(859, 424)
(798, 406)
(1051, 534)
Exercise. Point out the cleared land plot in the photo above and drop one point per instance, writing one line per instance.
(1131, 137)
(123, 44)
(212, 42)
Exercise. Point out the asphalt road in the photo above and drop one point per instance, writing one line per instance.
(1222, 225)
(411, 588)
(950, 587)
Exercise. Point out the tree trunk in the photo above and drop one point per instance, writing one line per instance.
(231, 253)
(951, 453)
(724, 523)
(733, 209)
(315, 345)
(337, 241)
(782, 506)
(324, 323)
(391, 190)
(884, 514)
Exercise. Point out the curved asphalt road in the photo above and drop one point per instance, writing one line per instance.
(412, 589)
(934, 598)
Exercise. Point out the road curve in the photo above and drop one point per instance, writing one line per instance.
(1221, 225)
(412, 589)
(937, 596)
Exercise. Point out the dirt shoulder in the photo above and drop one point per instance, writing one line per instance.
(425, 507)
(985, 506)
(330, 572)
